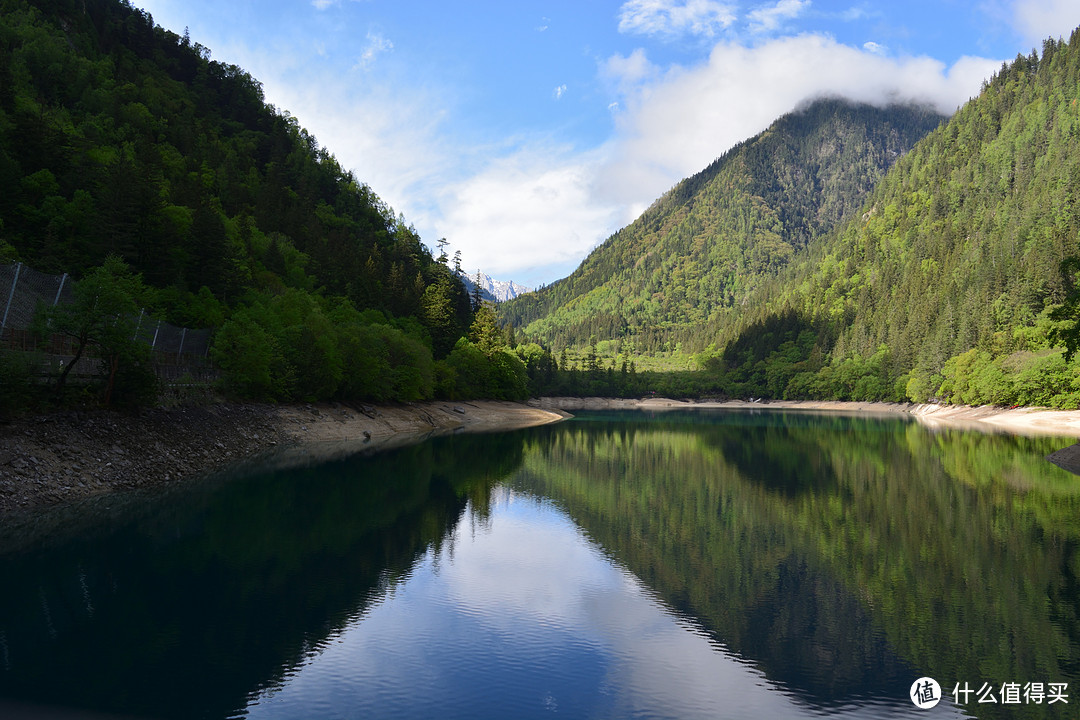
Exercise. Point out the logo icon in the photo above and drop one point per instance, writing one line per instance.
(925, 693)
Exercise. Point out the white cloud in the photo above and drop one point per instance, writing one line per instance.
(324, 4)
(394, 141)
(673, 18)
(1040, 19)
(675, 125)
(533, 208)
(853, 13)
(559, 91)
(375, 46)
(876, 48)
(543, 206)
(530, 209)
(626, 73)
(769, 19)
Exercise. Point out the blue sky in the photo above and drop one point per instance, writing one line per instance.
(527, 132)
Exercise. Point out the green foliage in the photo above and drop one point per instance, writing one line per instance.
(444, 308)
(251, 363)
(8, 254)
(1043, 378)
(18, 389)
(941, 278)
(1067, 333)
(120, 138)
(471, 370)
(101, 320)
(412, 374)
(680, 272)
(182, 169)
(288, 347)
(953, 264)
(509, 378)
(484, 332)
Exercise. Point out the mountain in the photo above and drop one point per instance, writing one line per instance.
(697, 255)
(945, 283)
(124, 147)
(494, 290)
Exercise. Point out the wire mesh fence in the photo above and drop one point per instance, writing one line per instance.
(23, 289)
(181, 355)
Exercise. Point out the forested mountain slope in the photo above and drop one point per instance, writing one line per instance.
(707, 244)
(122, 140)
(943, 284)
(119, 136)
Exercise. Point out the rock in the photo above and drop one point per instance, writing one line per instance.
(458, 409)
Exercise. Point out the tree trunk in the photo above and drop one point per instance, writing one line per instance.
(67, 369)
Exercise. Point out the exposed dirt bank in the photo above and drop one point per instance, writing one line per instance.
(1017, 421)
(60, 458)
(56, 459)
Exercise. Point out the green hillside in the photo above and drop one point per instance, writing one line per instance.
(945, 283)
(703, 248)
(796, 267)
(121, 141)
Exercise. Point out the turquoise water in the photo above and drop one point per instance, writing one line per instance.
(677, 565)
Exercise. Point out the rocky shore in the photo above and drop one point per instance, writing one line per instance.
(60, 458)
(56, 459)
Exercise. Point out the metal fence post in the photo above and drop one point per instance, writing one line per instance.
(11, 296)
(138, 325)
(157, 329)
(183, 334)
(60, 289)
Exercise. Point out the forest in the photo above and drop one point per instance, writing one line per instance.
(162, 180)
(951, 276)
(847, 252)
(698, 254)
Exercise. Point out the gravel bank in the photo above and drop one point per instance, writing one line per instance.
(56, 459)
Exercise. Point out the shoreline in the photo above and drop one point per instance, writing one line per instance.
(63, 458)
(985, 418)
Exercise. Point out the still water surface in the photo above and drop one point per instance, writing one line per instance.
(685, 565)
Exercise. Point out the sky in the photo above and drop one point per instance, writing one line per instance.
(527, 132)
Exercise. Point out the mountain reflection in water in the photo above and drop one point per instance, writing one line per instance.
(675, 565)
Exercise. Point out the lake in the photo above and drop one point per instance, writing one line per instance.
(677, 564)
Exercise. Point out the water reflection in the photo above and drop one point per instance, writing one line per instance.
(617, 565)
(482, 630)
(189, 604)
(840, 555)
